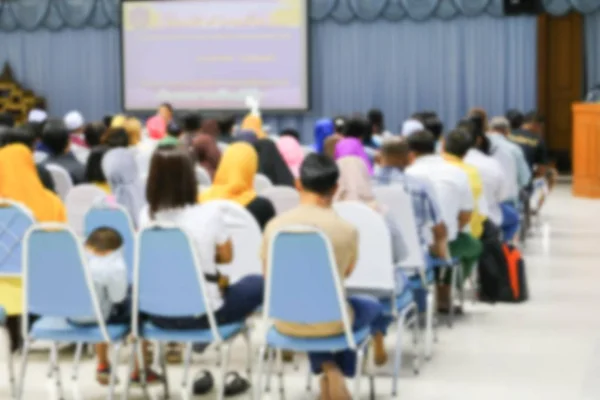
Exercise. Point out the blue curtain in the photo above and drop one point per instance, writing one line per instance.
(592, 48)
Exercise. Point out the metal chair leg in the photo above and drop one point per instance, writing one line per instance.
(359, 368)
(417, 344)
(113, 372)
(271, 354)
(430, 303)
(58, 379)
(398, 353)
(185, 387)
(130, 367)
(259, 374)
(162, 359)
(279, 367)
(225, 352)
(11, 368)
(21, 381)
(249, 352)
(309, 379)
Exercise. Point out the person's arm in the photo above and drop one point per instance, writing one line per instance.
(464, 217)
(224, 253)
(223, 245)
(440, 245)
(466, 202)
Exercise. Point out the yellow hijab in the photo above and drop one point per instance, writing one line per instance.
(234, 179)
(253, 123)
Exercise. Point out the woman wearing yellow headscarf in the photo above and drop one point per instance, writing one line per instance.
(234, 180)
(19, 182)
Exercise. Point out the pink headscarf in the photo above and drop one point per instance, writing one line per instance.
(292, 153)
(157, 127)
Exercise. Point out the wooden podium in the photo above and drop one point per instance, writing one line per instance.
(586, 150)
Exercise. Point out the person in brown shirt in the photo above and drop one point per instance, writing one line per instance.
(317, 185)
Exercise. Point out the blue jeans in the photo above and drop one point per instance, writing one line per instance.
(510, 221)
(367, 312)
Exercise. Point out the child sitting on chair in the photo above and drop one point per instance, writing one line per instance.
(109, 273)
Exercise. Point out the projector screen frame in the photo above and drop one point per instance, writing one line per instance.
(235, 111)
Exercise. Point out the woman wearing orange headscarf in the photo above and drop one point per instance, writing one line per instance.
(19, 182)
(253, 122)
(234, 180)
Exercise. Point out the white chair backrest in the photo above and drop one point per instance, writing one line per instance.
(261, 183)
(143, 155)
(374, 268)
(81, 153)
(39, 156)
(284, 198)
(62, 180)
(202, 176)
(222, 146)
(308, 150)
(78, 202)
(398, 204)
(246, 237)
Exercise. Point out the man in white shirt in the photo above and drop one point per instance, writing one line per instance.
(451, 185)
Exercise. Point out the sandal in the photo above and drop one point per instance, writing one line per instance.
(235, 384)
(174, 355)
(203, 383)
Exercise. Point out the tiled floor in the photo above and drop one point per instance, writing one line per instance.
(546, 349)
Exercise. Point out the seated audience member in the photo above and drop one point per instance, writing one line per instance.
(56, 138)
(339, 125)
(104, 252)
(234, 180)
(116, 137)
(530, 137)
(455, 147)
(226, 126)
(93, 133)
(24, 135)
(172, 194)
(351, 145)
(271, 164)
(318, 185)
(133, 127)
(434, 125)
(330, 145)
(122, 175)
(377, 126)
(165, 112)
(26, 188)
(156, 127)
(118, 121)
(7, 120)
(394, 159)
(107, 120)
(324, 128)
(289, 132)
(452, 188)
(252, 122)
(354, 184)
(93, 169)
(191, 124)
(510, 156)
(76, 126)
(206, 152)
(173, 137)
(292, 153)
(411, 126)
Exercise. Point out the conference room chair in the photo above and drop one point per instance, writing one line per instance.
(39, 156)
(57, 287)
(246, 239)
(308, 150)
(222, 146)
(303, 286)
(261, 183)
(9, 358)
(103, 214)
(284, 198)
(78, 202)
(375, 274)
(173, 292)
(62, 180)
(202, 176)
(15, 220)
(398, 204)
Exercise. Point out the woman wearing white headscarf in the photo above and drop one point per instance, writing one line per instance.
(121, 171)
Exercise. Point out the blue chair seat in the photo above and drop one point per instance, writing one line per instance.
(402, 301)
(151, 331)
(278, 340)
(2, 315)
(434, 262)
(59, 330)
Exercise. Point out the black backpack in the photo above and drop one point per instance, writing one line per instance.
(492, 270)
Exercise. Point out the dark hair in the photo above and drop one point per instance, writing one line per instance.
(22, 135)
(55, 136)
(515, 118)
(533, 117)
(93, 133)
(40, 104)
(171, 181)
(395, 148)
(458, 142)
(107, 120)
(226, 123)
(421, 142)
(116, 137)
(290, 132)
(93, 167)
(36, 128)
(7, 119)
(376, 118)
(339, 123)
(168, 106)
(191, 122)
(104, 239)
(319, 174)
(356, 128)
(433, 124)
(174, 129)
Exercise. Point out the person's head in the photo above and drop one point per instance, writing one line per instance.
(191, 122)
(7, 119)
(376, 121)
(252, 122)
(421, 143)
(480, 119)
(210, 127)
(394, 153)
(36, 128)
(21, 135)
(56, 137)
(433, 124)
(93, 133)
(107, 120)
(515, 118)
(156, 127)
(339, 124)
(174, 129)
(93, 167)
(165, 110)
(458, 142)
(171, 181)
(357, 128)
(74, 122)
(292, 153)
(133, 127)
(319, 176)
(500, 125)
(411, 126)
(116, 137)
(226, 124)
(37, 116)
(534, 122)
(291, 133)
(103, 241)
(118, 121)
